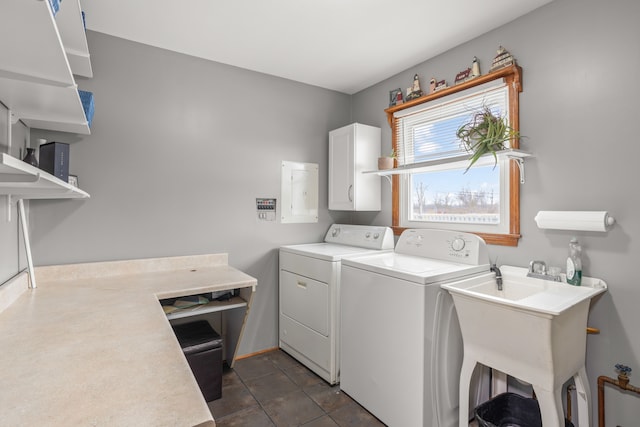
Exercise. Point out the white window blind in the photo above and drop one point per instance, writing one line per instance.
(429, 133)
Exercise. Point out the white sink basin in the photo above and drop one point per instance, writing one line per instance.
(527, 293)
(512, 292)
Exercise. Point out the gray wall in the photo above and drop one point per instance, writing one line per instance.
(579, 110)
(173, 169)
(180, 148)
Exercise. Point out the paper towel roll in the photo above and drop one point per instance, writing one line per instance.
(574, 220)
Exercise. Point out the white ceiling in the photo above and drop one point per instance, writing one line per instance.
(344, 45)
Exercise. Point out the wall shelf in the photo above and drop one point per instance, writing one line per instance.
(211, 307)
(456, 162)
(73, 34)
(36, 79)
(20, 180)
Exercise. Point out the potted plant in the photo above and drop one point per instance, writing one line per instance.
(387, 162)
(485, 133)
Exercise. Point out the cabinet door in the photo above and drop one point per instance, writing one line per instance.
(341, 168)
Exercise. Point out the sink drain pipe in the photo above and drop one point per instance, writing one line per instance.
(622, 382)
(570, 389)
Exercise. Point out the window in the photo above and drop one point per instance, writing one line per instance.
(485, 198)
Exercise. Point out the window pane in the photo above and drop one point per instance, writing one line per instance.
(437, 139)
(456, 197)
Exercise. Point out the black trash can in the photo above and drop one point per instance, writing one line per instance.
(510, 410)
(202, 346)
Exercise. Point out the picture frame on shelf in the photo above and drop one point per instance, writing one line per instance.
(395, 97)
(73, 180)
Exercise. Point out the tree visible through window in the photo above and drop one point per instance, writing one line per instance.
(455, 197)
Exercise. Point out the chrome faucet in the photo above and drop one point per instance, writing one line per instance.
(538, 270)
(495, 269)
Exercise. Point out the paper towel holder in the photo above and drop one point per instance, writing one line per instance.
(575, 220)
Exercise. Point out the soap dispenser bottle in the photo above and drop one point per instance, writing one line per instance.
(574, 263)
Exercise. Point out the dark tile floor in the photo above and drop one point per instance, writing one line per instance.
(273, 389)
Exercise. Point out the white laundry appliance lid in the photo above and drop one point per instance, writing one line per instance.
(429, 256)
(414, 269)
(327, 251)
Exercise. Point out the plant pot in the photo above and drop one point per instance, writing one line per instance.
(385, 163)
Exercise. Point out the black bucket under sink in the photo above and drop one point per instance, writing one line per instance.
(510, 410)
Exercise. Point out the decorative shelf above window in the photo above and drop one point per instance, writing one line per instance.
(457, 162)
(23, 181)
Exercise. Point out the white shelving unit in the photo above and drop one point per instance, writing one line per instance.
(457, 162)
(36, 79)
(38, 57)
(20, 180)
(74, 37)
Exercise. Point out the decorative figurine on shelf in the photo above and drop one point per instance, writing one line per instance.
(395, 97)
(441, 84)
(415, 91)
(468, 74)
(475, 68)
(462, 76)
(502, 59)
(432, 85)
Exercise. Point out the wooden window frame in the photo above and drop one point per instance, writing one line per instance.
(512, 76)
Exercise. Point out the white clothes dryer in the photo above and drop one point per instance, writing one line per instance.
(309, 293)
(401, 345)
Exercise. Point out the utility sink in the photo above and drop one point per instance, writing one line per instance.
(532, 329)
(527, 293)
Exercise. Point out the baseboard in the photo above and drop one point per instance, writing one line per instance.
(257, 353)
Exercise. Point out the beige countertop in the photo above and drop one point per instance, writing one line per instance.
(91, 346)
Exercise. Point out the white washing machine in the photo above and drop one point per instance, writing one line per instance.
(310, 290)
(401, 346)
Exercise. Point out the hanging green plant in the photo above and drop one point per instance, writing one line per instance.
(485, 133)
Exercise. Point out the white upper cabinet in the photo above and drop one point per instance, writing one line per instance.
(354, 149)
(36, 79)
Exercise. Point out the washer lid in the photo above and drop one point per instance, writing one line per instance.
(328, 251)
(414, 268)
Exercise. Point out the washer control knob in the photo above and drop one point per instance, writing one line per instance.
(376, 235)
(457, 244)
(367, 235)
(335, 231)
